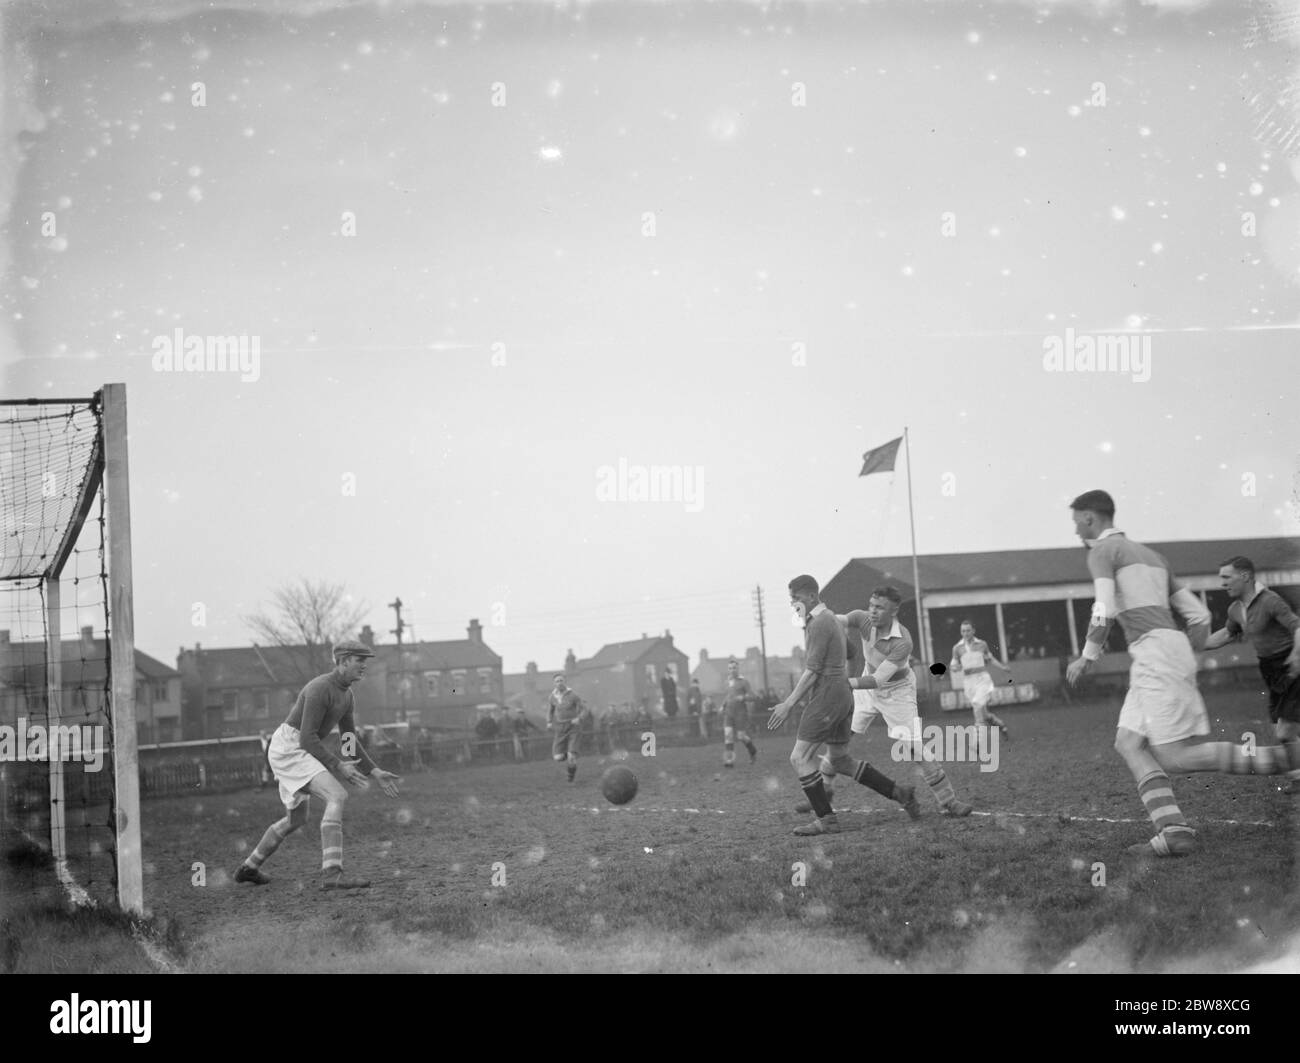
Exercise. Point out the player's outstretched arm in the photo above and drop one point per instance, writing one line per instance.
(855, 618)
(387, 781)
(1218, 639)
(781, 711)
(1195, 614)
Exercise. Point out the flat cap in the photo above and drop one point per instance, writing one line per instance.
(352, 648)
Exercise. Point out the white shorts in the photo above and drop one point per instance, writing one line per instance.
(1163, 703)
(293, 766)
(896, 704)
(979, 688)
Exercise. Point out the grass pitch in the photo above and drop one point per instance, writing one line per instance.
(509, 868)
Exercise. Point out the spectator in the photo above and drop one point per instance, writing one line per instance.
(423, 747)
(520, 726)
(669, 687)
(486, 730)
(502, 718)
(710, 717)
(694, 702)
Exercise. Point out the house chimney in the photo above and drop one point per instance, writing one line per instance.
(669, 636)
(4, 637)
(530, 668)
(475, 632)
(570, 663)
(368, 636)
(704, 656)
(644, 635)
(87, 638)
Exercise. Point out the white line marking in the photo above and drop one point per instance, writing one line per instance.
(887, 811)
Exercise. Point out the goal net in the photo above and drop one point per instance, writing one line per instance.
(69, 821)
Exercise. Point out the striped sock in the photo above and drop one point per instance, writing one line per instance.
(1158, 797)
(938, 783)
(1266, 760)
(275, 834)
(331, 844)
(865, 774)
(729, 753)
(812, 786)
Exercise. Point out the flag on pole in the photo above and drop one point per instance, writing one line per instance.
(881, 459)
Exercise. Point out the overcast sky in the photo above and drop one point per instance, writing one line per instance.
(486, 252)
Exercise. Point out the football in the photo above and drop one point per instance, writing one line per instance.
(618, 784)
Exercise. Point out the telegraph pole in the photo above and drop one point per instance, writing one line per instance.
(396, 606)
(762, 635)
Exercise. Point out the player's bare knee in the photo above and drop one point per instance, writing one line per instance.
(297, 818)
(1127, 743)
(841, 763)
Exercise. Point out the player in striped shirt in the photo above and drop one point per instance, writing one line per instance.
(887, 688)
(1163, 712)
(972, 657)
(825, 724)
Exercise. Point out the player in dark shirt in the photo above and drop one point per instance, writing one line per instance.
(735, 716)
(303, 766)
(1263, 618)
(564, 716)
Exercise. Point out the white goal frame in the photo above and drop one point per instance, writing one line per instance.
(108, 467)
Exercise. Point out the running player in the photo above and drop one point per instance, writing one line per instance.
(889, 690)
(972, 657)
(735, 716)
(1163, 711)
(303, 766)
(1264, 618)
(825, 720)
(565, 718)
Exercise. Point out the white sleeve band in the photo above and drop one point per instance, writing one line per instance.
(1104, 607)
(885, 671)
(1190, 607)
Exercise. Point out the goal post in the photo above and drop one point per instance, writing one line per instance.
(126, 756)
(60, 559)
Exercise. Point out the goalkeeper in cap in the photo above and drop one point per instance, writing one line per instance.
(303, 766)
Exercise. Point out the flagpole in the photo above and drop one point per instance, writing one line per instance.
(916, 569)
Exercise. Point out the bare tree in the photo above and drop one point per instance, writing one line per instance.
(305, 620)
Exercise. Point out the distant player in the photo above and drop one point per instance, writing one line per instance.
(888, 688)
(972, 657)
(735, 716)
(303, 766)
(1163, 711)
(565, 718)
(825, 720)
(1265, 619)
